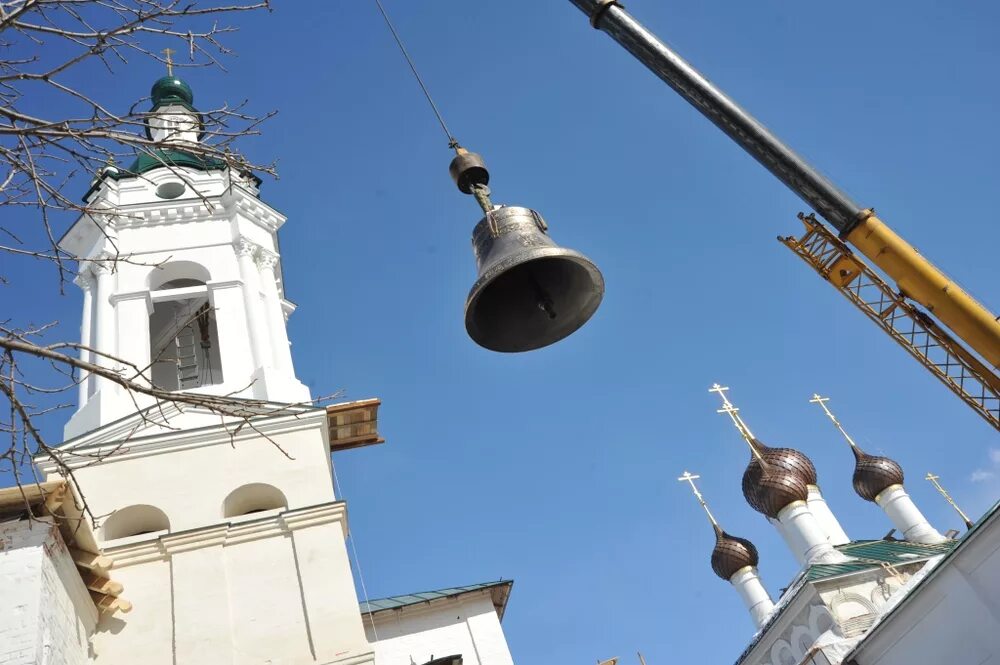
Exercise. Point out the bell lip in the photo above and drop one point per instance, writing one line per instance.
(534, 255)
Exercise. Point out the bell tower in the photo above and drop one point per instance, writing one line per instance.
(222, 525)
(181, 274)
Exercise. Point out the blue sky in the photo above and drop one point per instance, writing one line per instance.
(557, 468)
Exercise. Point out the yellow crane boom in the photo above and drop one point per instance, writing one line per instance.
(916, 278)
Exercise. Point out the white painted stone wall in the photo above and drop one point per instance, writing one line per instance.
(46, 615)
(265, 589)
(188, 474)
(952, 617)
(466, 625)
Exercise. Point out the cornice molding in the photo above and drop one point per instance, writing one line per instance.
(227, 534)
(122, 447)
(134, 295)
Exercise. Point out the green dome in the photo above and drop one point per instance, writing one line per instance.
(171, 89)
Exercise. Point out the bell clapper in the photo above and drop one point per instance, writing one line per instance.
(544, 299)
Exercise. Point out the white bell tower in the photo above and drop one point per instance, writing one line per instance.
(182, 275)
(223, 529)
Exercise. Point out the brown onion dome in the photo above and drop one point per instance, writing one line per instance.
(790, 459)
(731, 554)
(873, 475)
(777, 478)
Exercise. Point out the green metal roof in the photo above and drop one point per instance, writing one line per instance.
(162, 158)
(874, 552)
(500, 592)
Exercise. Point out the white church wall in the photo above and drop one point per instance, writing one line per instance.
(245, 225)
(327, 590)
(774, 646)
(276, 589)
(466, 625)
(142, 191)
(46, 615)
(952, 616)
(144, 635)
(263, 619)
(827, 611)
(190, 485)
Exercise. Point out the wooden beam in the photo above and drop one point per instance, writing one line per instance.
(31, 494)
(54, 501)
(106, 603)
(97, 563)
(102, 585)
(353, 424)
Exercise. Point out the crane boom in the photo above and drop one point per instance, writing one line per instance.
(911, 328)
(916, 277)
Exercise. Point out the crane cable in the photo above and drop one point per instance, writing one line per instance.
(338, 492)
(452, 141)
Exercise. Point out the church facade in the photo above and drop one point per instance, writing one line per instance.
(219, 535)
(918, 597)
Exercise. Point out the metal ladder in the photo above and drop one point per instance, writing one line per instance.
(188, 372)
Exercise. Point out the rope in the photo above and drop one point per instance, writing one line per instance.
(452, 141)
(354, 550)
(482, 195)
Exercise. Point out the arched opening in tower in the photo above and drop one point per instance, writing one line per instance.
(184, 340)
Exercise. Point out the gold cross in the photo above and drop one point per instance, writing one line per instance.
(816, 399)
(734, 415)
(934, 480)
(688, 477)
(167, 52)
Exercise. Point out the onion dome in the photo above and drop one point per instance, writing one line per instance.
(171, 89)
(731, 554)
(873, 475)
(778, 477)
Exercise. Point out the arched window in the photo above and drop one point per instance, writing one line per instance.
(133, 520)
(253, 498)
(177, 270)
(853, 612)
(183, 335)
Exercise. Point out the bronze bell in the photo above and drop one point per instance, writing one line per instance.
(530, 292)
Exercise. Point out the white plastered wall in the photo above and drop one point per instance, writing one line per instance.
(188, 474)
(46, 614)
(952, 617)
(266, 591)
(467, 625)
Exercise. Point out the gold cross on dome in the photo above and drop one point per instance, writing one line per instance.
(947, 497)
(167, 53)
(688, 477)
(816, 399)
(733, 413)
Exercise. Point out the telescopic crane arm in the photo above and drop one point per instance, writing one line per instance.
(915, 277)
